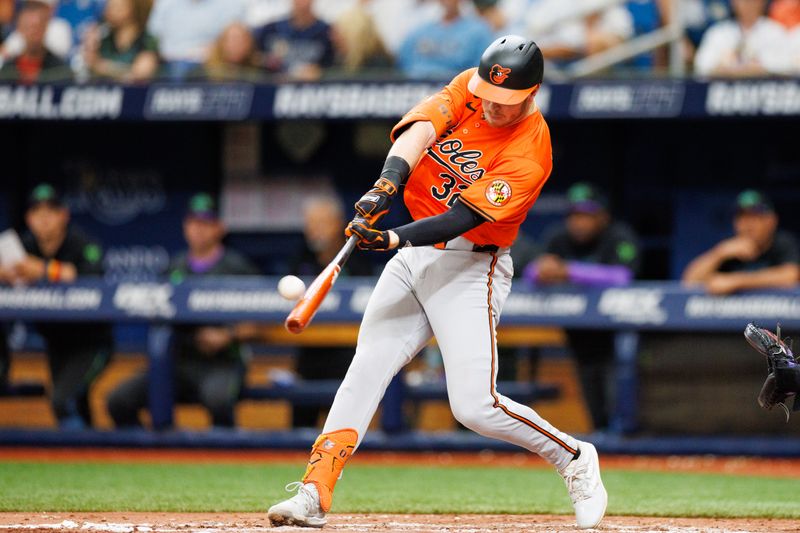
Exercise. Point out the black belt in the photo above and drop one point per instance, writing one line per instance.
(488, 248)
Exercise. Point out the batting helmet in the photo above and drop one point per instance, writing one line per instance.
(510, 69)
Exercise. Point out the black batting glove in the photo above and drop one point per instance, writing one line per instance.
(369, 237)
(374, 205)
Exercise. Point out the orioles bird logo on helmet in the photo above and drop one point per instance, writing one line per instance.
(498, 74)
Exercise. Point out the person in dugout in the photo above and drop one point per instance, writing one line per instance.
(209, 358)
(759, 255)
(589, 249)
(323, 231)
(58, 252)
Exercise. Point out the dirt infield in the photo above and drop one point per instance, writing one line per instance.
(253, 522)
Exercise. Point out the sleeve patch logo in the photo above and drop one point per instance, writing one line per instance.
(498, 193)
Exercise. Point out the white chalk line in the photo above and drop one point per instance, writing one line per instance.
(69, 525)
(107, 527)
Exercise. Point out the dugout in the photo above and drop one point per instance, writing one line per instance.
(670, 154)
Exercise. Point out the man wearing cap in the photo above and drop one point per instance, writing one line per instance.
(60, 253)
(758, 256)
(473, 158)
(209, 366)
(588, 249)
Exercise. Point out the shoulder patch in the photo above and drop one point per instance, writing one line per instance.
(498, 193)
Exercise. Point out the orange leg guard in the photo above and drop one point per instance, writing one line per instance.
(328, 456)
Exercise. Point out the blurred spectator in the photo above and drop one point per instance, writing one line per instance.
(794, 48)
(443, 48)
(592, 250)
(491, 13)
(121, 49)
(324, 237)
(76, 352)
(503, 16)
(35, 61)
(357, 41)
(697, 16)
(393, 19)
(646, 18)
(299, 46)
(57, 35)
(749, 45)
(7, 8)
(82, 15)
(209, 359)
(570, 30)
(758, 256)
(785, 13)
(186, 30)
(233, 56)
(261, 12)
(396, 19)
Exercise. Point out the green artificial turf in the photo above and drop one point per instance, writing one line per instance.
(29, 486)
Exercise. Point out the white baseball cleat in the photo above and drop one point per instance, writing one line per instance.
(589, 496)
(302, 509)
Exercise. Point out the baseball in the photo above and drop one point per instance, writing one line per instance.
(291, 287)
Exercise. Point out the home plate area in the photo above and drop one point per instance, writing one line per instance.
(257, 522)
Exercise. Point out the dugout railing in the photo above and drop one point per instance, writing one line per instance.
(625, 310)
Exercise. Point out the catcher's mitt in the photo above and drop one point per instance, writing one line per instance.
(783, 371)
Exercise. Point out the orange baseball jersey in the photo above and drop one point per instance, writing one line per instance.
(497, 172)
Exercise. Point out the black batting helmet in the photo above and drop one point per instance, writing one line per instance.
(510, 69)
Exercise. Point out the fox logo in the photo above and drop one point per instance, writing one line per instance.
(498, 74)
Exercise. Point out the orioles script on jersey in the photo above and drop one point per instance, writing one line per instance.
(497, 172)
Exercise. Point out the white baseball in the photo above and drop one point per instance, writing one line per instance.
(291, 287)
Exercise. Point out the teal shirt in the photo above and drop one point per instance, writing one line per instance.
(143, 43)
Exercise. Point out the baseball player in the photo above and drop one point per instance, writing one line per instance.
(480, 153)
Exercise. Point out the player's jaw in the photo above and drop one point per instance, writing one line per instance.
(502, 115)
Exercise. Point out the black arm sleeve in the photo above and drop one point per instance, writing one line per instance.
(432, 230)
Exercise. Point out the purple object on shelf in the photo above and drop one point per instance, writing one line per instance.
(593, 274)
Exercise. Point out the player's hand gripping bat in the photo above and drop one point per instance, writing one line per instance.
(306, 308)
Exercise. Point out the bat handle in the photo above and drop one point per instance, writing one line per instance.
(347, 249)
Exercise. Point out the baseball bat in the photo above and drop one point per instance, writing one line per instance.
(307, 306)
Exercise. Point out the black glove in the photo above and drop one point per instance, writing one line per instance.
(783, 371)
(369, 237)
(374, 205)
